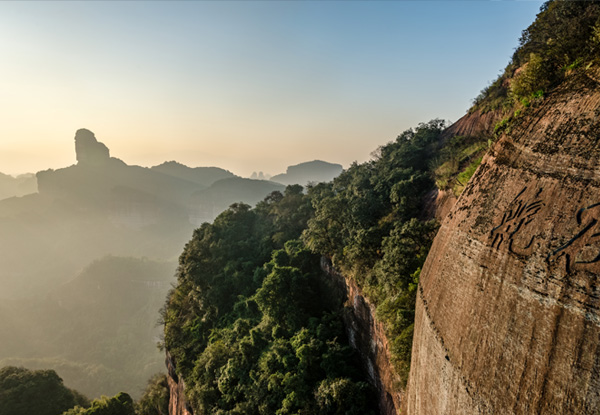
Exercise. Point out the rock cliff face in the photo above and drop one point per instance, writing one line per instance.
(177, 402)
(367, 336)
(508, 317)
(474, 124)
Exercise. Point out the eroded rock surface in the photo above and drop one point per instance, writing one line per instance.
(508, 311)
(474, 124)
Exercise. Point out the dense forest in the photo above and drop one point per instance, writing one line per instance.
(253, 325)
(42, 392)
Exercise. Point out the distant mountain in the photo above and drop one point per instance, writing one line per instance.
(98, 330)
(204, 176)
(102, 206)
(206, 204)
(17, 186)
(260, 176)
(310, 172)
(93, 182)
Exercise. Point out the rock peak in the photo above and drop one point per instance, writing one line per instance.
(89, 150)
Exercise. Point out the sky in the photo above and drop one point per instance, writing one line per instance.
(243, 85)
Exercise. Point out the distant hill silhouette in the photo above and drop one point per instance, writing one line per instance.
(102, 206)
(17, 186)
(208, 203)
(92, 182)
(310, 172)
(204, 176)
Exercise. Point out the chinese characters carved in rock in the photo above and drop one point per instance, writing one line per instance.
(518, 216)
(582, 249)
(516, 233)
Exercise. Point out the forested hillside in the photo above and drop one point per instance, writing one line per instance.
(90, 329)
(370, 221)
(252, 325)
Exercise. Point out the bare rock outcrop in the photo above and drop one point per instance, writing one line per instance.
(508, 310)
(474, 124)
(177, 402)
(89, 150)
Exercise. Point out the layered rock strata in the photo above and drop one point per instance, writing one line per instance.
(508, 310)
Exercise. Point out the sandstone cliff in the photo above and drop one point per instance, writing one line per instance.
(474, 124)
(507, 317)
(177, 403)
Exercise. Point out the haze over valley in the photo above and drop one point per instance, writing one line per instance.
(90, 252)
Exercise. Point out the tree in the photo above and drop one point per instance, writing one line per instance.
(120, 404)
(39, 392)
(155, 400)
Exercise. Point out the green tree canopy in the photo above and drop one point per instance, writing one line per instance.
(39, 392)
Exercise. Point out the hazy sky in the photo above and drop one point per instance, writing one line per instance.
(247, 85)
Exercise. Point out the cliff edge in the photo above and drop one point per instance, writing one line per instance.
(507, 317)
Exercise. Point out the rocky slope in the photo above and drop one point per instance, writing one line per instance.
(474, 124)
(507, 317)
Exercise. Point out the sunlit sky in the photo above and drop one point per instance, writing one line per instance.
(247, 86)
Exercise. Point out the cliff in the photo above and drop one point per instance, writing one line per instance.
(474, 124)
(177, 403)
(367, 336)
(507, 317)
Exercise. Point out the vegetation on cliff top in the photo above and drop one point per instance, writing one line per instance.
(564, 38)
(366, 221)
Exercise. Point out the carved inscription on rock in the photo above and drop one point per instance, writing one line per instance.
(511, 232)
(583, 248)
(514, 233)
